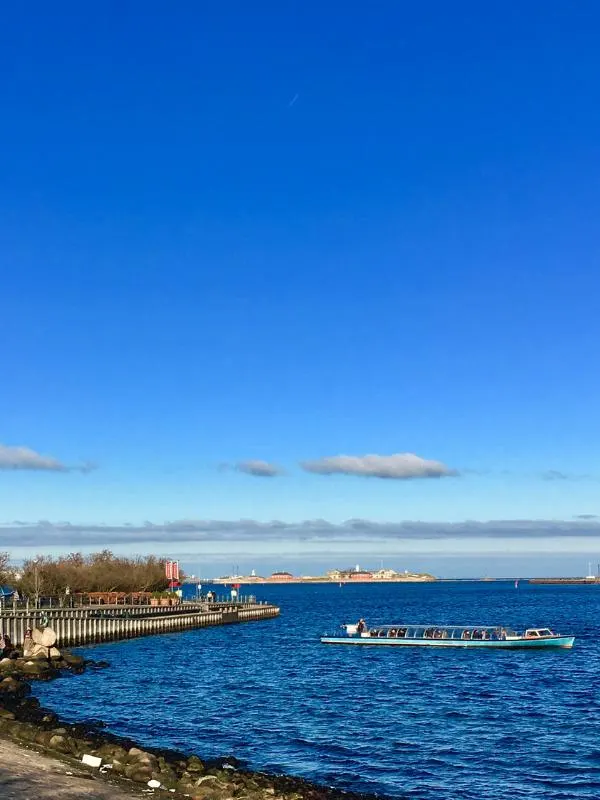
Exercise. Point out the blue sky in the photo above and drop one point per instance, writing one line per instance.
(292, 232)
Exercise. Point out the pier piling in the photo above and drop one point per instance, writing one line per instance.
(80, 626)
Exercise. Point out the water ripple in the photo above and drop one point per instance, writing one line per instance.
(424, 723)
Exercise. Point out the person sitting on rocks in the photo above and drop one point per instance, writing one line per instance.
(27, 643)
(6, 646)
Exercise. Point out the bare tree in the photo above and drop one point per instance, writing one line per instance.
(99, 572)
(5, 570)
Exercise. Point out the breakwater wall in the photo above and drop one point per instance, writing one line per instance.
(82, 626)
(567, 581)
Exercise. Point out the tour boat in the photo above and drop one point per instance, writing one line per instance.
(450, 636)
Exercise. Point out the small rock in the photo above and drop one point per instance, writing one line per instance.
(200, 781)
(58, 742)
(112, 751)
(140, 773)
(73, 660)
(194, 764)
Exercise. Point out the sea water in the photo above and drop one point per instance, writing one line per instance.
(426, 723)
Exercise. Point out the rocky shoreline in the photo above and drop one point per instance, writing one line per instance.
(162, 773)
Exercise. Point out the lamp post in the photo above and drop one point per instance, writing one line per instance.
(36, 581)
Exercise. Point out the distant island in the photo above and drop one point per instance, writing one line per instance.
(353, 575)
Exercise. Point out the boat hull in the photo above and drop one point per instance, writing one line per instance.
(504, 644)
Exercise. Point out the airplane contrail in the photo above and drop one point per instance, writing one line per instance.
(293, 100)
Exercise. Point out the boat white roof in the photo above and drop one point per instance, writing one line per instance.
(437, 625)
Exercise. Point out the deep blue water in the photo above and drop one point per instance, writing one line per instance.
(416, 722)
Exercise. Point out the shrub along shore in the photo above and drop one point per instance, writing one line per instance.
(168, 773)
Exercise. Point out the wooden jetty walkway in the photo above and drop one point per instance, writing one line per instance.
(80, 626)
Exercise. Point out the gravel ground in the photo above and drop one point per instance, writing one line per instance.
(27, 775)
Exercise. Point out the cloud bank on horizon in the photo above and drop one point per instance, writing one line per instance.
(46, 533)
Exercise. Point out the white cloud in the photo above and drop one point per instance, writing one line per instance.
(24, 458)
(557, 475)
(260, 469)
(399, 466)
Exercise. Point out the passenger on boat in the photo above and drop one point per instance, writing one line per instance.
(360, 627)
(466, 635)
(383, 633)
(392, 633)
(401, 633)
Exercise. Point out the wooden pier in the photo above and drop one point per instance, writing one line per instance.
(80, 626)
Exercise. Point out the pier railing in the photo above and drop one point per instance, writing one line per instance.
(75, 602)
(79, 626)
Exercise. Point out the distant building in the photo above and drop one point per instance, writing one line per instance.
(352, 574)
(385, 575)
(281, 576)
(360, 575)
